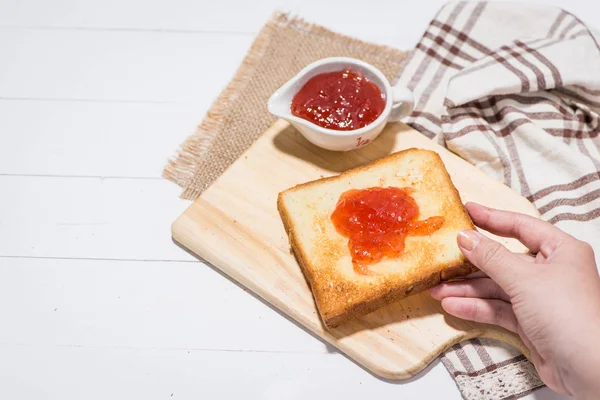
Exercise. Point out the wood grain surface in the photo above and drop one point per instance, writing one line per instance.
(235, 226)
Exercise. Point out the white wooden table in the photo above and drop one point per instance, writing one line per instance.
(96, 302)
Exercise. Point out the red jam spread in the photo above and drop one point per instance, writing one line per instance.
(377, 221)
(342, 100)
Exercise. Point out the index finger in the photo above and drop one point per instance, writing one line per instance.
(536, 234)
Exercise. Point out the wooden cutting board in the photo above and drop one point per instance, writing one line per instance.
(235, 226)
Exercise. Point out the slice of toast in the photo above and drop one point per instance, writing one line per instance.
(323, 253)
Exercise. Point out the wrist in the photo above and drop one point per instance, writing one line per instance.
(580, 372)
(584, 385)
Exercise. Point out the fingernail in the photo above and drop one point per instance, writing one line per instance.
(468, 239)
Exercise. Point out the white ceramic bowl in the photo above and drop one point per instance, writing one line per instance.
(399, 103)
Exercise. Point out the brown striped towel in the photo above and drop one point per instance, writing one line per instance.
(514, 88)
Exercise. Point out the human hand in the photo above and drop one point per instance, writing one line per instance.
(552, 299)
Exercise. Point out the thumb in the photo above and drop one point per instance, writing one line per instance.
(500, 264)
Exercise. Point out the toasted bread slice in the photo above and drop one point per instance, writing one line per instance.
(342, 293)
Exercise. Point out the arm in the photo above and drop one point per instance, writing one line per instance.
(552, 299)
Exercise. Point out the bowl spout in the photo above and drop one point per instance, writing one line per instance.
(279, 105)
(280, 102)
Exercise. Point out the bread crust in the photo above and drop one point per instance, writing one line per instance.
(387, 294)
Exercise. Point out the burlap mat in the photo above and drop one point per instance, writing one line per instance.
(239, 115)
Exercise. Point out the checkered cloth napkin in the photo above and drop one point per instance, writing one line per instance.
(513, 88)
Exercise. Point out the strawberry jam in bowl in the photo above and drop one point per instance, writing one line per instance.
(340, 103)
(341, 100)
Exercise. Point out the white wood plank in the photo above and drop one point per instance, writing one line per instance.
(185, 16)
(93, 138)
(89, 218)
(145, 305)
(190, 15)
(57, 372)
(117, 66)
(546, 394)
(395, 22)
(202, 16)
